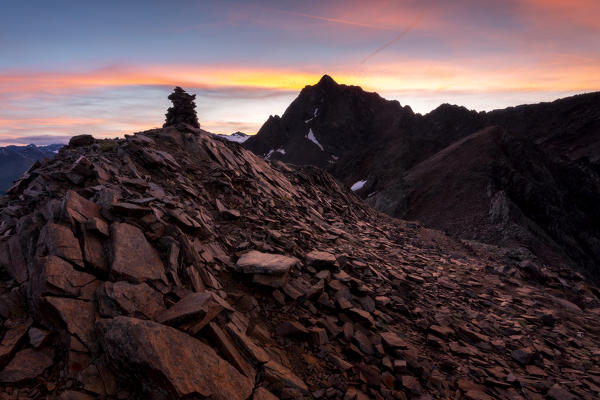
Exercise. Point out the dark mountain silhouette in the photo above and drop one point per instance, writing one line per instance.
(447, 170)
(14, 160)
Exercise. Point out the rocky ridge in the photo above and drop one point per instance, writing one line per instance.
(173, 264)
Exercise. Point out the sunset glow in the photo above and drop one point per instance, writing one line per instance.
(108, 70)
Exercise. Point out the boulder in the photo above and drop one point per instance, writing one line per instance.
(81, 140)
(168, 363)
(321, 259)
(133, 258)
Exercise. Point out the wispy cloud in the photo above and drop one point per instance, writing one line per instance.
(332, 20)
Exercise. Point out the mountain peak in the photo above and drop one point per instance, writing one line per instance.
(326, 80)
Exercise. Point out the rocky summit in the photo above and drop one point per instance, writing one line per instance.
(173, 264)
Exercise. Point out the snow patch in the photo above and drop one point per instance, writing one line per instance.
(280, 150)
(358, 185)
(314, 115)
(238, 137)
(311, 136)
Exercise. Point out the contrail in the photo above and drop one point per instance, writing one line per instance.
(327, 19)
(391, 42)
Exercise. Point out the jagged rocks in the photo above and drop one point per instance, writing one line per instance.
(170, 363)
(133, 257)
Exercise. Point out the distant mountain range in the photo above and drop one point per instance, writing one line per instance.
(14, 160)
(526, 176)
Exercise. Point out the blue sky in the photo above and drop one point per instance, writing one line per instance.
(106, 68)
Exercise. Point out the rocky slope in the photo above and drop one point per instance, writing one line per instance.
(173, 264)
(14, 160)
(427, 167)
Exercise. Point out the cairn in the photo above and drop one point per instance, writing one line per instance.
(183, 110)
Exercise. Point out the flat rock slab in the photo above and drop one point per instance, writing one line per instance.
(392, 340)
(165, 360)
(27, 364)
(190, 307)
(133, 257)
(255, 262)
(321, 259)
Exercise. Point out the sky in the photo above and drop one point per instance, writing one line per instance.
(107, 67)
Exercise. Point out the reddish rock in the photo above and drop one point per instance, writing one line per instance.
(124, 298)
(291, 328)
(557, 392)
(12, 260)
(79, 209)
(255, 353)
(27, 364)
(58, 277)
(133, 257)
(11, 339)
(93, 251)
(59, 241)
(392, 340)
(199, 308)
(77, 315)
(281, 377)
(255, 262)
(229, 351)
(165, 360)
(263, 394)
(321, 259)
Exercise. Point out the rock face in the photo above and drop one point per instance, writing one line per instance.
(173, 264)
(524, 177)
